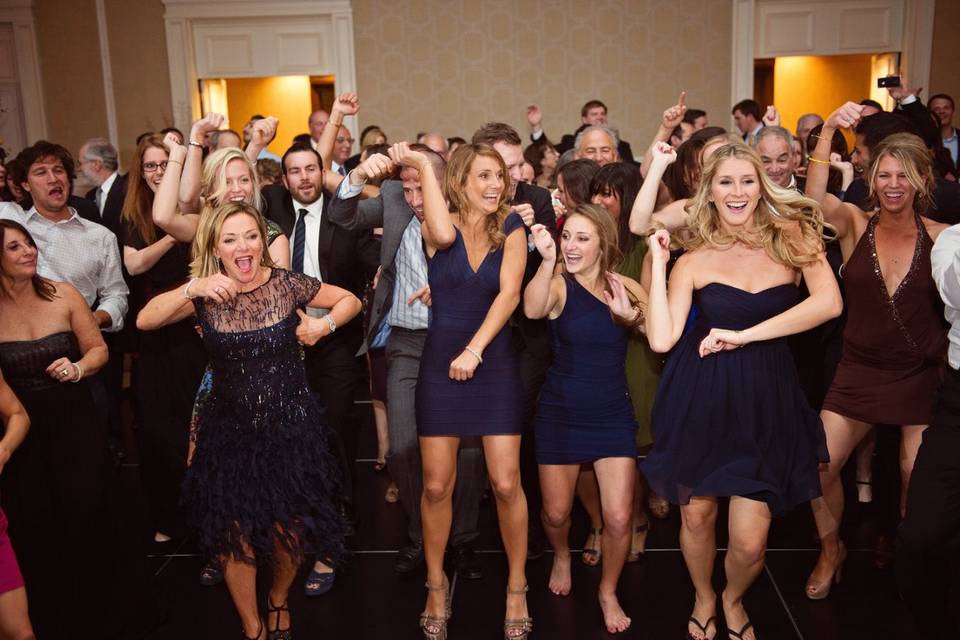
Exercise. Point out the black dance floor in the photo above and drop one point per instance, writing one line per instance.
(370, 601)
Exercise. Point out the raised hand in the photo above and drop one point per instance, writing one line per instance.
(401, 154)
(544, 242)
(618, 300)
(172, 142)
(659, 244)
(375, 167)
(346, 103)
(205, 126)
(772, 117)
(663, 153)
(673, 116)
(216, 288)
(534, 116)
(847, 115)
(721, 340)
(264, 130)
(526, 212)
(904, 90)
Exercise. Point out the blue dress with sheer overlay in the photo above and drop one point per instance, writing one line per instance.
(735, 423)
(262, 471)
(488, 403)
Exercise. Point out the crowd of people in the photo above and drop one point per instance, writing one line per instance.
(745, 308)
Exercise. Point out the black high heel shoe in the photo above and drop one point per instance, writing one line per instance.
(277, 633)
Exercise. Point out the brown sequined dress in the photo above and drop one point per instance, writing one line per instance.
(893, 347)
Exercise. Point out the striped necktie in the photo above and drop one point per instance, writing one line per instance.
(299, 240)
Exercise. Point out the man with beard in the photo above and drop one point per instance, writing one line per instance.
(347, 259)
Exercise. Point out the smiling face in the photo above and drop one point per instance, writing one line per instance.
(240, 247)
(303, 176)
(735, 191)
(609, 200)
(943, 109)
(412, 192)
(485, 184)
(595, 115)
(238, 182)
(512, 155)
(778, 158)
(152, 166)
(892, 186)
(580, 246)
(48, 184)
(19, 258)
(598, 146)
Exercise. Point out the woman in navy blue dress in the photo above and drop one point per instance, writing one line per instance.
(585, 416)
(469, 384)
(730, 417)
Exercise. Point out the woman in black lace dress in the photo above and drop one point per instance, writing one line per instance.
(262, 485)
(55, 486)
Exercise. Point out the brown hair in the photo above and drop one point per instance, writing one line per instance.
(41, 286)
(494, 132)
(455, 182)
(610, 254)
(914, 156)
(138, 204)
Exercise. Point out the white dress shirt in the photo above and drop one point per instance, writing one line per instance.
(105, 190)
(311, 244)
(80, 252)
(945, 260)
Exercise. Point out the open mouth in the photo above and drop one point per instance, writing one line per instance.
(894, 196)
(737, 207)
(244, 264)
(237, 197)
(572, 259)
(56, 192)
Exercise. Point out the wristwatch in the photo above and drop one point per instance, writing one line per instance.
(331, 322)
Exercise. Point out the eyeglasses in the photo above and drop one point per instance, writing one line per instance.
(150, 167)
(341, 140)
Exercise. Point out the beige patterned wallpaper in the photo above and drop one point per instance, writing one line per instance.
(451, 65)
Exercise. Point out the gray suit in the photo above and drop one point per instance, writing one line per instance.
(404, 348)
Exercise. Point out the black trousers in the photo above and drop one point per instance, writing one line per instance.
(337, 377)
(929, 536)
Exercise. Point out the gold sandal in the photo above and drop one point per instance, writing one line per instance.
(591, 554)
(517, 628)
(435, 627)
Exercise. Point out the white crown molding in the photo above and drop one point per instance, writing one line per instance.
(19, 13)
(199, 9)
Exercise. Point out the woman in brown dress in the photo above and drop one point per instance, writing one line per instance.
(895, 337)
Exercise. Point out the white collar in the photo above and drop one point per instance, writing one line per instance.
(32, 212)
(108, 183)
(314, 209)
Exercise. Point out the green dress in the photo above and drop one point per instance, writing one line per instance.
(643, 365)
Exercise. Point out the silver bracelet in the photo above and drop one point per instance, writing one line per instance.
(79, 372)
(471, 350)
(186, 289)
(331, 322)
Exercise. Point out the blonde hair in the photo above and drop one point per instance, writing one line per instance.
(786, 224)
(913, 155)
(205, 262)
(213, 182)
(455, 183)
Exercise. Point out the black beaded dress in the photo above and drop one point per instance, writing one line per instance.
(262, 471)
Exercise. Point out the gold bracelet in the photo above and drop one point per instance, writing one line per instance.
(474, 353)
(174, 162)
(812, 159)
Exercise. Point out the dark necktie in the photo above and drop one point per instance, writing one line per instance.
(342, 170)
(299, 238)
(99, 200)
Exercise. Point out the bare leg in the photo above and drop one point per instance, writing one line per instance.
(843, 435)
(383, 441)
(749, 524)
(589, 494)
(617, 478)
(864, 459)
(241, 579)
(557, 484)
(641, 523)
(439, 459)
(698, 542)
(503, 466)
(14, 619)
(910, 440)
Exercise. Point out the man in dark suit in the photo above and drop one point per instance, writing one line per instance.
(535, 206)
(592, 113)
(336, 256)
(98, 162)
(399, 310)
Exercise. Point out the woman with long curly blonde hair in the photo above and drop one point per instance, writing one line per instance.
(730, 418)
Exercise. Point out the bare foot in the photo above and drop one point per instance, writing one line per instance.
(737, 618)
(560, 581)
(704, 612)
(613, 616)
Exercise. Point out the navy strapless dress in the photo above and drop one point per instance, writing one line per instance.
(735, 423)
(488, 403)
(584, 413)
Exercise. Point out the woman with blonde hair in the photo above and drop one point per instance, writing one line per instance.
(730, 418)
(171, 361)
(584, 415)
(262, 486)
(469, 382)
(895, 339)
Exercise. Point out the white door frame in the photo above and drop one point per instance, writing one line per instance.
(181, 15)
(19, 13)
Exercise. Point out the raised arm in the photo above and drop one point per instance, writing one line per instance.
(535, 120)
(138, 261)
(544, 293)
(511, 276)
(346, 210)
(837, 213)
(262, 133)
(438, 230)
(667, 313)
(177, 304)
(189, 193)
(346, 104)
(672, 118)
(165, 215)
(659, 156)
(15, 420)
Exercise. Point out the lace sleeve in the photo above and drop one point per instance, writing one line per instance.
(303, 287)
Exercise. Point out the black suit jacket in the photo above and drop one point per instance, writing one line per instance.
(113, 207)
(531, 335)
(347, 258)
(567, 141)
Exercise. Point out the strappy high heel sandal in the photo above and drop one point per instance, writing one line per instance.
(435, 627)
(637, 552)
(591, 554)
(819, 591)
(277, 633)
(517, 628)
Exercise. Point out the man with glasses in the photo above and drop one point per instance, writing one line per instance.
(342, 149)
